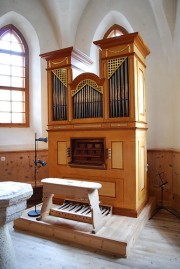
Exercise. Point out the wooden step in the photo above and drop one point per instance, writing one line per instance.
(116, 236)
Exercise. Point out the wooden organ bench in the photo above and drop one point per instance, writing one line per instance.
(86, 208)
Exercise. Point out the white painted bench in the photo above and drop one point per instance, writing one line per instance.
(81, 191)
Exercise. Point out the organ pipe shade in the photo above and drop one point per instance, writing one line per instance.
(59, 98)
(87, 103)
(119, 89)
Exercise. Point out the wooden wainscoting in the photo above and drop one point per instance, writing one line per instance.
(165, 164)
(176, 181)
(18, 165)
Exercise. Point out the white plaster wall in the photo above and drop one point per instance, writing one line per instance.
(31, 19)
(50, 25)
(176, 79)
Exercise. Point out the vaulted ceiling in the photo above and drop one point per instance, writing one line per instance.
(65, 15)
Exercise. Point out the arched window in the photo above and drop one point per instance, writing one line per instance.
(115, 30)
(14, 78)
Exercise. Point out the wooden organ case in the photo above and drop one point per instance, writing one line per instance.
(97, 125)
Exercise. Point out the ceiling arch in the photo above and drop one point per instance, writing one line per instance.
(113, 17)
(165, 18)
(64, 16)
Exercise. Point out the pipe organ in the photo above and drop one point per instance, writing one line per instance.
(97, 124)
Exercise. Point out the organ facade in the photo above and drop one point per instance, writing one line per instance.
(97, 124)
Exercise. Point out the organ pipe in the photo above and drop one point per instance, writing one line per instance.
(59, 99)
(119, 92)
(87, 103)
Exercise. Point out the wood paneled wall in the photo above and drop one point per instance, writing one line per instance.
(19, 166)
(165, 163)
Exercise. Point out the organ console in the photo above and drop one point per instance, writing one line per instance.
(97, 124)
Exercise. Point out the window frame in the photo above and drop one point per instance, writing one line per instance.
(11, 27)
(115, 27)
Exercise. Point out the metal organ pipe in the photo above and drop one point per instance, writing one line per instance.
(87, 103)
(119, 92)
(59, 99)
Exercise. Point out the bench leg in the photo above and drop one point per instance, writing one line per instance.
(47, 205)
(97, 220)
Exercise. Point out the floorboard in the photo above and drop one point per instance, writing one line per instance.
(116, 235)
(157, 247)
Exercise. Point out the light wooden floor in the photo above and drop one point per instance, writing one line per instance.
(158, 246)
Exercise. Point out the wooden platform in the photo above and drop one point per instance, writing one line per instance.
(116, 237)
